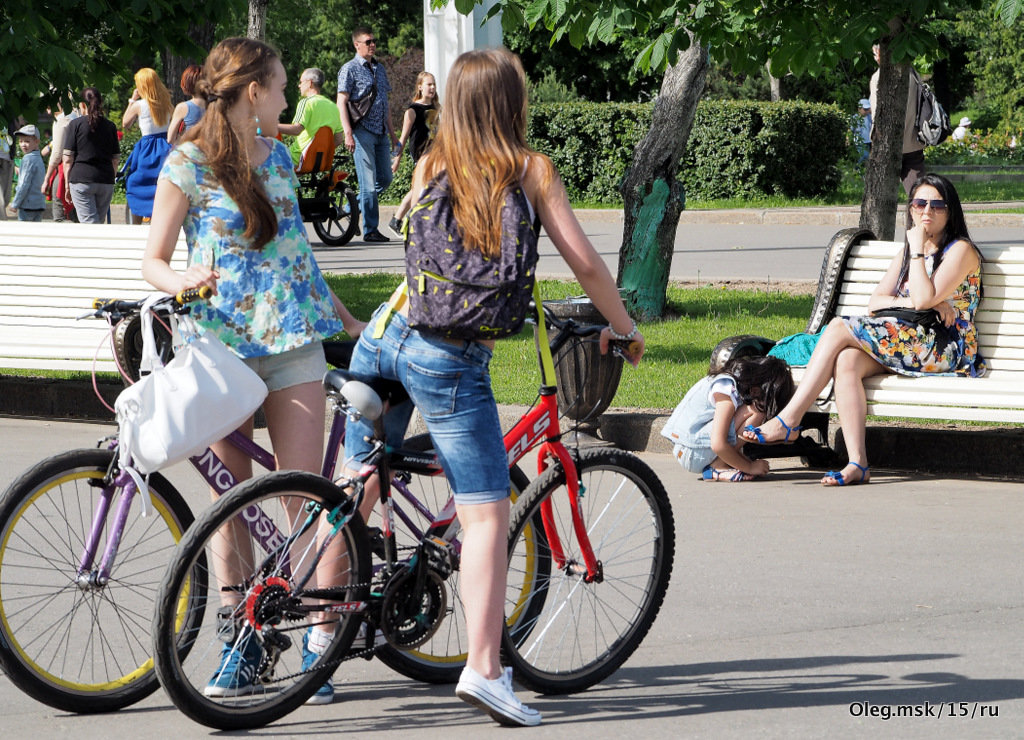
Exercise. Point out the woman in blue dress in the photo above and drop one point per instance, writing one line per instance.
(151, 106)
(939, 268)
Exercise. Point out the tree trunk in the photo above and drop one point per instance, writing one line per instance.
(257, 19)
(653, 197)
(174, 64)
(776, 85)
(881, 178)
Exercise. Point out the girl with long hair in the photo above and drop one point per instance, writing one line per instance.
(151, 106)
(418, 128)
(233, 190)
(481, 145)
(939, 271)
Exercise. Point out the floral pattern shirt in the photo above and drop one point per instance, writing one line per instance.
(268, 300)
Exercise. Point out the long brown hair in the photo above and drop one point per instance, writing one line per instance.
(481, 142)
(152, 89)
(232, 65)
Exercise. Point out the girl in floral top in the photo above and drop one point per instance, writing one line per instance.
(939, 268)
(233, 191)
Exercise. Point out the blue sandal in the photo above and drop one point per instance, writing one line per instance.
(712, 474)
(837, 475)
(756, 431)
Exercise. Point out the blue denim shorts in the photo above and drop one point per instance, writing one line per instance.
(296, 366)
(448, 381)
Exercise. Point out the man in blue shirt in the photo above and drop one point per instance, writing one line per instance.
(369, 137)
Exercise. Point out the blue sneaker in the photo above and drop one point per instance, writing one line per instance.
(325, 694)
(238, 665)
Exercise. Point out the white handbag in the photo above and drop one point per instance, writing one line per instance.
(203, 394)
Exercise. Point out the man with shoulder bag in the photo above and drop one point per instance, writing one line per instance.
(363, 89)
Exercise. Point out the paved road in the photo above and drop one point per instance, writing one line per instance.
(793, 611)
(712, 246)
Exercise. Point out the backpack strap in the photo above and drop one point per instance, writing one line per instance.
(397, 301)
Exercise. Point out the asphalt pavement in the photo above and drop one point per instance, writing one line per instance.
(794, 611)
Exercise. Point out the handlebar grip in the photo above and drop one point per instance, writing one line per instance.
(193, 294)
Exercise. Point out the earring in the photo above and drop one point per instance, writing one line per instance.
(259, 131)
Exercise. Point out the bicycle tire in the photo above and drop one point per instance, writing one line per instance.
(80, 648)
(338, 228)
(184, 674)
(441, 659)
(587, 630)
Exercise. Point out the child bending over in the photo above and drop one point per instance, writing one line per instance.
(704, 425)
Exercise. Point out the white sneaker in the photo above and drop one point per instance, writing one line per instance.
(496, 698)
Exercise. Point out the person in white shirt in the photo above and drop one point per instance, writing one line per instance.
(961, 131)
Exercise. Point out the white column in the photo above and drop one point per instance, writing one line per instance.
(446, 34)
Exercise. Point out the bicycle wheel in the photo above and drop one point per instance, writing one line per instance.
(67, 640)
(442, 658)
(340, 224)
(585, 631)
(263, 610)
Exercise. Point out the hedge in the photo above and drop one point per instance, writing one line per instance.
(736, 148)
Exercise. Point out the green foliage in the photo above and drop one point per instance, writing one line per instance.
(51, 49)
(591, 144)
(736, 149)
(997, 63)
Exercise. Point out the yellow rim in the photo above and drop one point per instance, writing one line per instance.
(128, 678)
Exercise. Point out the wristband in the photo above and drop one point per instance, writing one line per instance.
(623, 337)
(917, 256)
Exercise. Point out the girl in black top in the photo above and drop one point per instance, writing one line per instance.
(418, 129)
(90, 156)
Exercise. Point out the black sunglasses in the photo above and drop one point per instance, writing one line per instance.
(367, 42)
(920, 204)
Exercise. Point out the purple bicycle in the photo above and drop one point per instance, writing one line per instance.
(82, 556)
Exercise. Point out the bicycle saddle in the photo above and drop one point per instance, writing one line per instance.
(389, 390)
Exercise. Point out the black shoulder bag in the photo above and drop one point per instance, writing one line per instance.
(928, 319)
(357, 109)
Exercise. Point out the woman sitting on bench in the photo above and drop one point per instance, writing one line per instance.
(921, 322)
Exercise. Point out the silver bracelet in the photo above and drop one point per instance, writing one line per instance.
(622, 337)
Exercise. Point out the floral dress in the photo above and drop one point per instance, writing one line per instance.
(268, 300)
(909, 349)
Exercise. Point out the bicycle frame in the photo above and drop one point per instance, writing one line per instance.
(262, 529)
(540, 427)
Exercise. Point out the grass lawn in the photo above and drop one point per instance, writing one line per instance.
(678, 347)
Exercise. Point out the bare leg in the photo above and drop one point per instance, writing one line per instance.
(724, 471)
(852, 367)
(820, 370)
(232, 545)
(483, 573)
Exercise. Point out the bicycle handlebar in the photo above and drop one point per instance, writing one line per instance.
(568, 328)
(117, 307)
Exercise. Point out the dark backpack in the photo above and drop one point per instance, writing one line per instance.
(459, 293)
(932, 123)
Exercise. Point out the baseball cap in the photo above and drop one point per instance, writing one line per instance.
(28, 130)
(865, 103)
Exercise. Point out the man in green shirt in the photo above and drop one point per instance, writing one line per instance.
(312, 112)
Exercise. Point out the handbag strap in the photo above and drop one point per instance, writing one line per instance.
(150, 355)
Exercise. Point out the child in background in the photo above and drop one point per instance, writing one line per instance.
(418, 128)
(705, 425)
(29, 200)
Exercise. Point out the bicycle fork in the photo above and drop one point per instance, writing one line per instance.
(90, 578)
(591, 568)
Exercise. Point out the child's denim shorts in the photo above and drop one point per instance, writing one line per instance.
(694, 459)
(449, 383)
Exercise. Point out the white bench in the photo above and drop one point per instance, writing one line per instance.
(49, 275)
(853, 267)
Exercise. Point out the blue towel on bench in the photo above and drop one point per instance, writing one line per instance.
(796, 349)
